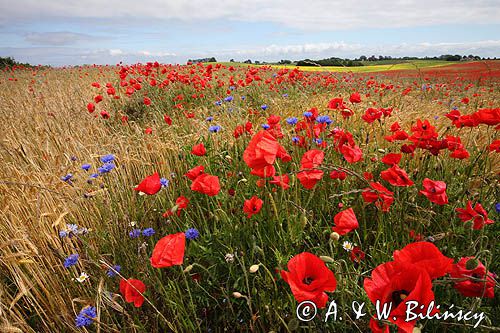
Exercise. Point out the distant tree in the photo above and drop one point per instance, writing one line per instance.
(248, 61)
(285, 62)
(362, 58)
(10, 62)
(257, 62)
(232, 60)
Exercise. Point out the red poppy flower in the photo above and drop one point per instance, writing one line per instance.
(345, 222)
(98, 99)
(148, 130)
(199, 150)
(372, 114)
(267, 171)
(425, 255)
(309, 278)
(91, 107)
(435, 191)
(206, 184)
(195, 172)
(396, 176)
(147, 101)
(132, 291)
(490, 117)
(181, 203)
(167, 119)
(394, 284)
(312, 159)
(262, 151)
(391, 159)
(351, 154)
(105, 114)
(356, 254)
(478, 214)
(150, 185)
(281, 181)
(252, 206)
(473, 278)
(309, 178)
(495, 146)
(377, 193)
(460, 154)
(169, 251)
(355, 98)
(336, 103)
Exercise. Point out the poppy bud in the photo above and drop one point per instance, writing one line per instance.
(254, 268)
(303, 221)
(326, 259)
(188, 269)
(237, 294)
(471, 264)
(334, 236)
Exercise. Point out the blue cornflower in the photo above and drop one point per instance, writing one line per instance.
(192, 233)
(210, 118)
(292, 121)
(218, 103)
(214, 129)
(243, 97)
(67, 177)
(63, 233)
(148, 232)
(108, 158)
(94, 175)
(285, 95)
(164, 182)
(71, 260)
(295, 139)
(232, 87)
(497, 207)
(228, 98)
(307, 114)
(318, 141)
(86, 316)
(105, 168)
(324, 120)
(86, 166)
(264, 107)
(455, 108)
(72, 227)
(74, 158)
(436, 117)
(265, 126)
(112, 272)
(135, 233)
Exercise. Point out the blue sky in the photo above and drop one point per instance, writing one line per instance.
(67, 32)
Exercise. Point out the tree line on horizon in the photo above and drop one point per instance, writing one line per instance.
(8, 62)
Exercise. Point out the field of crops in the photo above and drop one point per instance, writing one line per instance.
(207, 198)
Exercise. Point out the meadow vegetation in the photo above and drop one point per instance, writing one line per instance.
(340, 133)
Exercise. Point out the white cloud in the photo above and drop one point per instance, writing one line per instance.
(312, 15)
(56, 38)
